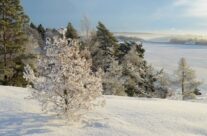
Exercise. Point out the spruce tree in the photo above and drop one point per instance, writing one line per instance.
(107, 48)
(140, 78)
(106, 38)
(33, 26)
(71, 32)
(125, 47)
(12, 39)
(41, 30)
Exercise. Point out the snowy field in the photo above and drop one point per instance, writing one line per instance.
(167, 56)
(122, 116)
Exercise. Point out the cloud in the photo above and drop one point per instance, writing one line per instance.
(193, 8)
(180, 2)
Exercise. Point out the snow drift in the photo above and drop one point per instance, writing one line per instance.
(122, 116)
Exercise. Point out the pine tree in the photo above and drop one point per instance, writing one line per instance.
(41, 30)
(106, 48)
(33, 26)
(187, 78)
(125, 47)
(106, 38)
(125, 70)
(65, 80)
(71, 32)
(134, 73)
(12, 39)
(140, 78)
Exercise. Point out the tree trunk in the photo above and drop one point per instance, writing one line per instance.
(4, 46)
(66, 100)
(183, 81)
(5, 52)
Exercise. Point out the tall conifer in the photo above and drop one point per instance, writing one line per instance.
(107, 48)
(12, 38)
(41, 30)
(71, 32)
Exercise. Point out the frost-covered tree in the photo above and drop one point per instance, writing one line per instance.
(187, 78)
(164, 79)
(125, 70)
(64, 81)
(162, 84)
(125, 47)
(113, 83)
(131, 71)
(140, 78)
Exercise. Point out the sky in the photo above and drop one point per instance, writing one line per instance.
(170, 16)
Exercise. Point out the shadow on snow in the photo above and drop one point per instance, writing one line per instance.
(19, 124)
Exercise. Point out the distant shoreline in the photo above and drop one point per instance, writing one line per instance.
(173, 43)
(160, 38)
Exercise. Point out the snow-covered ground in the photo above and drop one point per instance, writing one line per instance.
(167, 56)
(122, 116)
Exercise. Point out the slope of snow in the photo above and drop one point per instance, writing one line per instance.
(122, 116)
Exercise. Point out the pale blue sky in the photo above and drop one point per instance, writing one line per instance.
(122, 15)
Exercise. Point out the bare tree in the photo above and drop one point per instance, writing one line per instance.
(186, 77)
(86, 28)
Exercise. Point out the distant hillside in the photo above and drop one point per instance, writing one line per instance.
(163, 38)
(128, 38)
(189, 40)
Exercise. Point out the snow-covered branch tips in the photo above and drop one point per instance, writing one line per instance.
(64, 81)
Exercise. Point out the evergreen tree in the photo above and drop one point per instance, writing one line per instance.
(41, 30)
(140, 78)
(33, 26)
(71, 32)
(106, 49)
(124, 49)
(125, 70)
(65, 82)
(106, 38)
(12, 39)
(113, 81)
(134, 71)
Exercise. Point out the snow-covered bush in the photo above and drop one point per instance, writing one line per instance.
(64, 82)
(188, 96)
